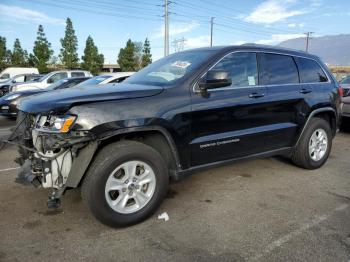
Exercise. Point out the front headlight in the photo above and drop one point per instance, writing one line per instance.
(11, 97)
(56, 124)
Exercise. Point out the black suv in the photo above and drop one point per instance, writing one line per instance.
(188, 111)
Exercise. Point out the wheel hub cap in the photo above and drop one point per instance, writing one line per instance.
(318, 144)
(130, 187)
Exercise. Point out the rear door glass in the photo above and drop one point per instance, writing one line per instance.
(310, 71)
(278, 69)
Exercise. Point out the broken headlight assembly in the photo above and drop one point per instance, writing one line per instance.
(55, 124)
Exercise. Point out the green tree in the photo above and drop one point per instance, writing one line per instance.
(19, 56)
(92, 60)
(42, 51)
(3, 53)
(126, 59)
(146, 54)
(69, 55)
(8, 57)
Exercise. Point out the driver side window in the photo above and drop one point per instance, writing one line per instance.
(19, 79)
(242, 67)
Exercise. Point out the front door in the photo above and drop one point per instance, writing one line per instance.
(230, 122)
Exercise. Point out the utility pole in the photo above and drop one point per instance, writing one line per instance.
(308, 37)
(166, 28)
(211, 30)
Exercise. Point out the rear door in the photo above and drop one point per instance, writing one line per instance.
(289, 98)
(230, 122)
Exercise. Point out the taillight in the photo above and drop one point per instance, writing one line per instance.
(340, 91)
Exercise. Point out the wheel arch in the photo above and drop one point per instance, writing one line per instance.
(156, 137)
(327, 113)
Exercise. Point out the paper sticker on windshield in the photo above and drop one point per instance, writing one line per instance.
(251, 80)
(181, 64)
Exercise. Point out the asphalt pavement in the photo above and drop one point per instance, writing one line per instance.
(261, 210)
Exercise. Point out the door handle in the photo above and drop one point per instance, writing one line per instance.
(305, 91)
(256, 95)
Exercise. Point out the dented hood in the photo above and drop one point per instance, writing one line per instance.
(60, 101)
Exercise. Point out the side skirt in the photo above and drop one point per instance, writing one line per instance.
(184, 173)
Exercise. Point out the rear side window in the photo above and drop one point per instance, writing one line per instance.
(310, 71)
(278, 69)
(77, 74)
(242, 68)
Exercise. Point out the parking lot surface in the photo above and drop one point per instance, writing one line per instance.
(261, 210)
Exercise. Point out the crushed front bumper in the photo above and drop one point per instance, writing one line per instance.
(51, 160)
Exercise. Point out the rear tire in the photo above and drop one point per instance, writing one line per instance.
(119, 173)
(314, 146)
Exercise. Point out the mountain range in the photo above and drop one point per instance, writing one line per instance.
(333, 49)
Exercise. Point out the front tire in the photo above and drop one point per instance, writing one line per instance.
(125, 184)
(314, 146)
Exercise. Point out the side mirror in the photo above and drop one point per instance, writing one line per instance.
(215, 79)
(50, 81)
(13, 81)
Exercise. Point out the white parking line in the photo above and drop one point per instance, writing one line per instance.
(9, 169)
(284, 239)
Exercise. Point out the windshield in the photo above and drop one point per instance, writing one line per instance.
(346, 80)
(4, 76)
(41, 79)
(170, 69)
(93, 81)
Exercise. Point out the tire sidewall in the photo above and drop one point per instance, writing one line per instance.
(317, 123)
(98, 202)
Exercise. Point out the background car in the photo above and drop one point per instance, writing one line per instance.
(345, 83)
(107, 79)
(8, 103)
(49, 79)
(10, 72)
(5, 85)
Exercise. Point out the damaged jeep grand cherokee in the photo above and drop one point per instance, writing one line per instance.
(188, 111)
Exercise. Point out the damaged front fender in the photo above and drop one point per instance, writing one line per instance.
(81, 164)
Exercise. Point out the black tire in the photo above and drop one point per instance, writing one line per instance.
(109, 158)
(301, 156)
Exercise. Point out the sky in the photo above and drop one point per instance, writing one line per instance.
(112, 22)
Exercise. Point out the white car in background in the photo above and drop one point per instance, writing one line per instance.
(107, 78)
(49, 79)
(10, 72)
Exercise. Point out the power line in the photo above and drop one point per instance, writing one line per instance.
(94, 11)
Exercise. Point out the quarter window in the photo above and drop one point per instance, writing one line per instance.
(310, 71)
(278, 69)
(242, 68)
